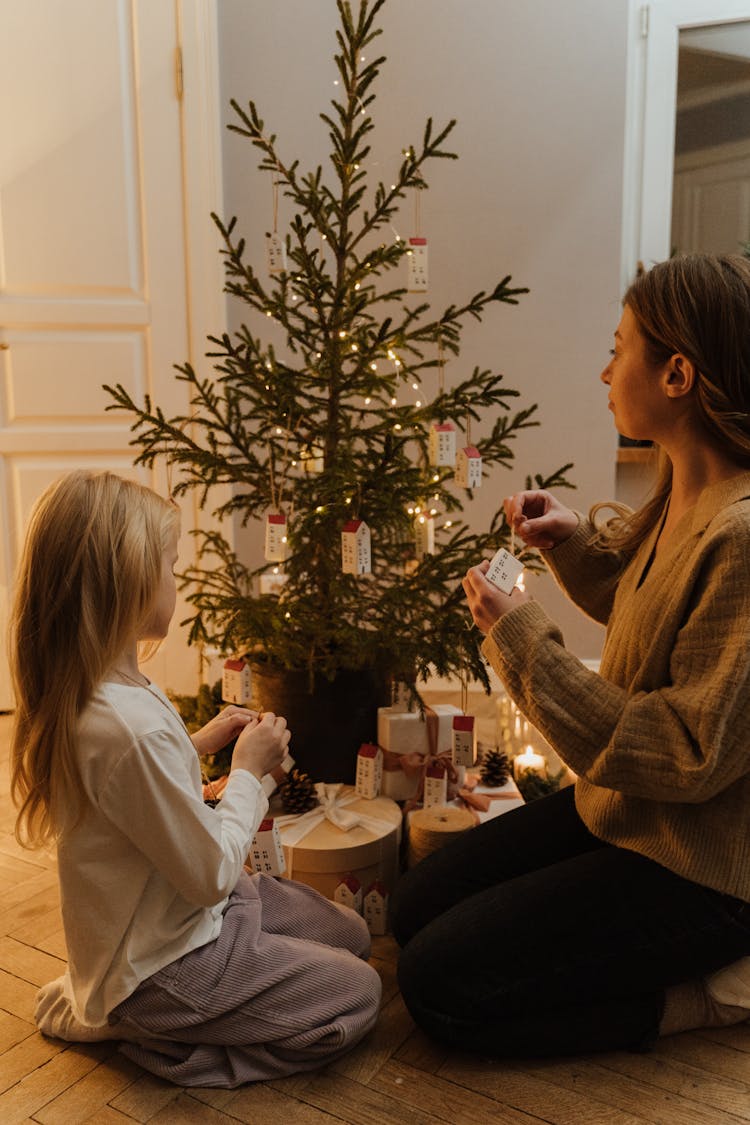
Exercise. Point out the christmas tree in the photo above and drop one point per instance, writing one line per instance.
(339, 425)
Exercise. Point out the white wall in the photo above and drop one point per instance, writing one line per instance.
(539, 93)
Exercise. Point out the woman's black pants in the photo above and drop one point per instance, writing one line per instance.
(528, 936)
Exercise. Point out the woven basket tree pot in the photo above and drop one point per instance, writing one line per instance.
(329, 722)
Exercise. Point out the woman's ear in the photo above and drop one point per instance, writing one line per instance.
(680, 376)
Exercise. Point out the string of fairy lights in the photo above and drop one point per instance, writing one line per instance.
(443, 453)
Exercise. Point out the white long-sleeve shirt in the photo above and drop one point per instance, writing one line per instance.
(146, 872)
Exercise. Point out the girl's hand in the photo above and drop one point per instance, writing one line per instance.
(539, 519)
(222, 729)
(486, 602)
(262, 745)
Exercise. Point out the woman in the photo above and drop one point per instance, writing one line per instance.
(589, 920)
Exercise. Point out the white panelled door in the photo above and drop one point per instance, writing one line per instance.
(92, 252)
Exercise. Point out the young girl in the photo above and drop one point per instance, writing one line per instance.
(600, 917)
(208, 976)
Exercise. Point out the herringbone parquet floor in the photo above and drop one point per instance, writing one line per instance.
(396, 1076)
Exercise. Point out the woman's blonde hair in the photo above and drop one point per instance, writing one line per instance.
(697, 305)
(89, 573)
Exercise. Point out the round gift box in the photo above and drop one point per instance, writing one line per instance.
(327, 853)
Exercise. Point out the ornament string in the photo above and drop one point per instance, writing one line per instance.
(275, 197)
(441, 365)
(272, 478)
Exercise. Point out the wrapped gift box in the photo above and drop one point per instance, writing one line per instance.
(487, 802)
(403, 738)
(322, 854)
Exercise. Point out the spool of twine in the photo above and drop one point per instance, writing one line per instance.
(430, 829)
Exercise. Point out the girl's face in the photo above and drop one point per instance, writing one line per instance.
(155, 629)
(636, 386)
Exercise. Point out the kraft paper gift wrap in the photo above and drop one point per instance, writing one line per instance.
(487, 802)
(345, 835)
(404, 739)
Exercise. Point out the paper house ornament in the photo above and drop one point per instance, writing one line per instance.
(401, 699)
(464, 748)
(266, 852)
(369, 770)
(235, 682)
(276, 540)
(275, 253)
(416, 256)
(435, 785)
(274, 582)
(468, 467)
(376, 908)
(504, 571)
(442, 443)
(349, 893)
(311, 458)
(424, 527)
(355, 548)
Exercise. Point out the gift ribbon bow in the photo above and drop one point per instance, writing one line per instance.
(481, 801)
(432, 756)
(332, 807)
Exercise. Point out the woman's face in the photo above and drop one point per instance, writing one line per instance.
(636, 386)
(157, 626)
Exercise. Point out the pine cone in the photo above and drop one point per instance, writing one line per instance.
(494, 769)
(297, 792)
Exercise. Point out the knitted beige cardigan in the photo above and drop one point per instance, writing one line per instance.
(660, 737)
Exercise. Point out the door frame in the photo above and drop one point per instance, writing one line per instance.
(650, 113)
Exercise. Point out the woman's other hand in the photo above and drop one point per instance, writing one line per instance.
(539, 519)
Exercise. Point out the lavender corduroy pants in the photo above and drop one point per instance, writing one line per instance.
(283, 988)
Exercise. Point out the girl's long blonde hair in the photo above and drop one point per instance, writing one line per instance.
(697, 305)
(89, 573)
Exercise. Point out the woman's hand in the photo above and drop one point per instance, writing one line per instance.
(539, 519)
(262, 745)
(486, 602)
(222, 729)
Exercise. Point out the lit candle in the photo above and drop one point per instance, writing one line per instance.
(529, 760)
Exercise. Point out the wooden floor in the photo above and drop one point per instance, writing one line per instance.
(395, 1076)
